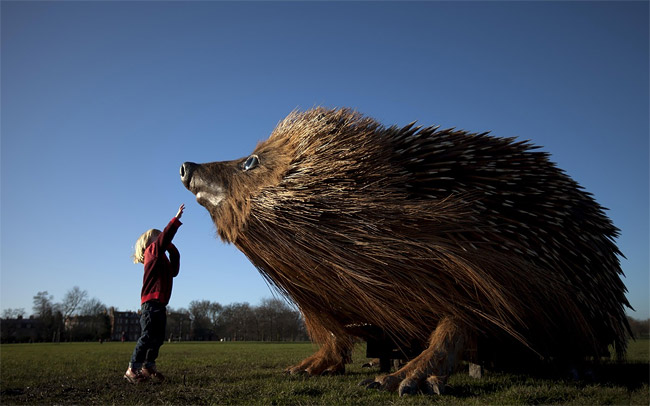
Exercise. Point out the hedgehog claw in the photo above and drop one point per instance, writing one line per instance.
(434, 386)
(296, 371)
(408, 387)
(388, 383)
(373, 385)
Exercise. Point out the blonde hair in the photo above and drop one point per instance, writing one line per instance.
(142, 243)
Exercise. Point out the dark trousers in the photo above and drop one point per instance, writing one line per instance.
(153, 321)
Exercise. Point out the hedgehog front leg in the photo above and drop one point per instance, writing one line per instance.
(430, 370)
(334, 353)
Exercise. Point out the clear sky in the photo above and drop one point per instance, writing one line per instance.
(101, 102)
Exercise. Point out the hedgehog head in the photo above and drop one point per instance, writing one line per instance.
(300, 147)
(226, 188)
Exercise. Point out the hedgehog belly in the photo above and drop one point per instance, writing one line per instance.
(406, 273)
(345, 300)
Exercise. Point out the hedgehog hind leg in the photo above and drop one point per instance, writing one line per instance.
(429, 371)
(330, 359)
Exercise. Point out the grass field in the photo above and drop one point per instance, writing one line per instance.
(251, 373)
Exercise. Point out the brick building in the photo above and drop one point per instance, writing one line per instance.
(124, 324)
(20, 330)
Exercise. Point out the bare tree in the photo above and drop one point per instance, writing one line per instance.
(178, 324)
(200, 314)
(213, 314)
(71, 301)
(50, 315)
(238, 322)
(43, 305)
(92, 307)
(279, 321)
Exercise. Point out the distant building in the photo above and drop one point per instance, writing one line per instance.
(124, 325)
(20, 330)
(87, 328)
(72, 322)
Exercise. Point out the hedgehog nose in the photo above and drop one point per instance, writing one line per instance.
(186, 173)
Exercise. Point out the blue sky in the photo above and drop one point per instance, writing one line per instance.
(102, 102)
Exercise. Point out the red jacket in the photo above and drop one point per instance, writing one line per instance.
(159, 271)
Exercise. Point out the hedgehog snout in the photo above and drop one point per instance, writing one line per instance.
(187, 169)
(208, 193)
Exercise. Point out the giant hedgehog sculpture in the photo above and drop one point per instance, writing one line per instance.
(447, 239)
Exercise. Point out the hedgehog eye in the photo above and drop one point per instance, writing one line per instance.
(251, 162)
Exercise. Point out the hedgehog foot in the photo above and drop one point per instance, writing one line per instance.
(432, 385)
(428, 372)
(316, 365)
(330, 359)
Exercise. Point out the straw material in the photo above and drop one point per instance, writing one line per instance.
(400, 227)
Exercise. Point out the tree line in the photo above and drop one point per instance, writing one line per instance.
(79, 318)
(272, 320)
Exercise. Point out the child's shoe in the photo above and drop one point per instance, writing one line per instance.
(153, 374)
(134, 376)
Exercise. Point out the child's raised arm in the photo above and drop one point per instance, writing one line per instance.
(180, 211)
(165, 238)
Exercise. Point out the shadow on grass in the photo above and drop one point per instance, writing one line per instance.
(632, 375)
(629, 375)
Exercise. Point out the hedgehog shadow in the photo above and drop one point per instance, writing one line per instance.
(630, 375)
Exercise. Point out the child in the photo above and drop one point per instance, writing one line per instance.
(159, 272)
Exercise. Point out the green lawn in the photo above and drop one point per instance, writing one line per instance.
(251, 373)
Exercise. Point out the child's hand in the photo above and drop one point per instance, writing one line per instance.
(180, 211)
